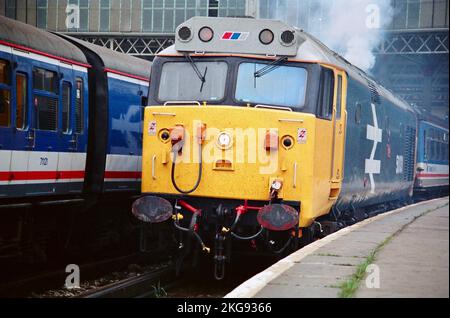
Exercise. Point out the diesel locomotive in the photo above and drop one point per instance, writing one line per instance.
(259, 136)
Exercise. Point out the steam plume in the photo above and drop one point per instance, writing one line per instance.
(352, 28)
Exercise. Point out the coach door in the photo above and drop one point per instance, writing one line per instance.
(45, 139)
(339, 121)
(72, 157)
(23, 134)
(67, 136)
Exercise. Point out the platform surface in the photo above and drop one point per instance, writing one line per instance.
(411, 257)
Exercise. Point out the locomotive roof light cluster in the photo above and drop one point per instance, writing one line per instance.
(184, 34)
(237, 35)
(287, 38)
(266, 36)
(206, 34)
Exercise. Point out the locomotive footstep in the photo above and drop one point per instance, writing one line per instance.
(278, 217)
(152, 209)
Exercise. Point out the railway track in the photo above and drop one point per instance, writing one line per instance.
(42, 284)
(148, 285)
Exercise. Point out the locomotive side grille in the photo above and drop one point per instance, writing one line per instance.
(375, 96)
(47, 111)
(409, 151)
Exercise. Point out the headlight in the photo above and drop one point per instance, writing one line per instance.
(224, 140)
(277, 185)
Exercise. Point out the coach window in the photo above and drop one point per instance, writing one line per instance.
(66, 98)
(433, 150)
(5, 94)
(45, 99)
(425, 145)
(326, 94)
(21, 101)
(438, 150)
(79, 121)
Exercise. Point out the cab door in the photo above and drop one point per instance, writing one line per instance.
(339, 125)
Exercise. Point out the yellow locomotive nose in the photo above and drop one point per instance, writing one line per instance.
(244, 153)
(239, 160)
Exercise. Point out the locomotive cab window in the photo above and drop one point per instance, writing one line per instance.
(45, 99)
(5, 94)
(193, 81)
(326, 94)
(284, 86)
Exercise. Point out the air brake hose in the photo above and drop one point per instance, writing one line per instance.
(199, 178)
(191, 230)
(248, 238)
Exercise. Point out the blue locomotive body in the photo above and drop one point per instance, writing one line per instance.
(380, 148)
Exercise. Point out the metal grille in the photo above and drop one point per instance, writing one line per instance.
(79, 108)
(142, 45)
(374, 95)
(47, 112)
(65, 107)
(409, 151)
(415, 42)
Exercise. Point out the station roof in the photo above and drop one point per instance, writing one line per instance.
(29, 37)
(117, 61)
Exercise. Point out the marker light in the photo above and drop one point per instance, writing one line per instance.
(176, 134)
(206, 34)
(271, 141)
(266, 37)
(224, 140)
(287, 37)
(185, 33)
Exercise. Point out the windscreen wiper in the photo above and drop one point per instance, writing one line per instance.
(270, 67)
(197, 71)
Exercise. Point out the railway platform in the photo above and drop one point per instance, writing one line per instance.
(402, 253)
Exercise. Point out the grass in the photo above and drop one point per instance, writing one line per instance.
(159, 291)
(350, 286)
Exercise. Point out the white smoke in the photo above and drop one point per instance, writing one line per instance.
(352, 28)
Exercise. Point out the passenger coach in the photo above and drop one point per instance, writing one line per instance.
(70, 141)
(70, 115)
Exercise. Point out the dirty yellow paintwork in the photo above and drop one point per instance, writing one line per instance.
(306, 169)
